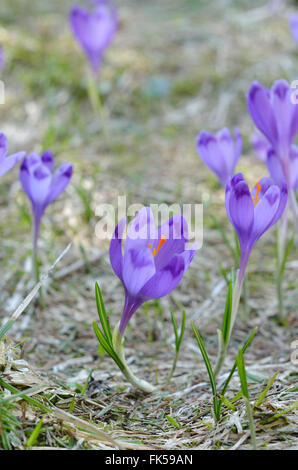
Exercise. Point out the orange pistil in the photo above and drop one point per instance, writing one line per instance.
(161, 242)
(255, 199)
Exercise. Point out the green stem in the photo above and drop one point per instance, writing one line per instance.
(173, 367)
(251, 424)
(127, 372)
(36, 272)
(281, 248)
(223, 346)
(98, 107)
(245, 297)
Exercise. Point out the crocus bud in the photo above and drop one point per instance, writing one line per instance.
(94, 29)
(220, 152)
(252, 213)
(41, 185)
(275, 114)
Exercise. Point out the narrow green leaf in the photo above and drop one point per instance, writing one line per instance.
(263, 394)
(173, 421)
(30, 400)
(209, 369)
(242, 373)
(181, 331)
(102, 314)
(34, 435)
(107, 346)
(226, 324)
(246, 345)
(19, 394)
(286, 254)
(245, 392)
(227, 403)
(5, 328)
(86, 383)
(174, 326)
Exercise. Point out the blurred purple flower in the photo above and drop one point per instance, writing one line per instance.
(253, 213)
(276, 170)
(275, 114)
(267, 154)
(220, 152)
(153, 262)
(41, 185)
(94, 29)
(260, 145)
(293, 25)
(7, 163)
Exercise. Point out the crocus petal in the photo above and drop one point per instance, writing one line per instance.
(294, 167)
(165, 280)
(60, 181)
(9, 162)
(283, 109)
(264, 212)
(261, 146)
(282, 203)
(260, 109)
(230, 150)
(229, 187)
(130, 306)
(36, 180)
(116, 256)
(275, 167)
(138, 268)
(142, 229)
(241, 211)
(48, 160)
(211, 154)
(3, 146)
(175, 233)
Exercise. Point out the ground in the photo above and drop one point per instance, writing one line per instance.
(176, 67)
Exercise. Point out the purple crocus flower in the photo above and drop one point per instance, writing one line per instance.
(41, 185)
(293, 25)
(7, 163)
(153, 261)
(276, 170)
(220, 152)
(275, 114)
(267, 154)
(253, 213)
(94, 29)
(260, 145)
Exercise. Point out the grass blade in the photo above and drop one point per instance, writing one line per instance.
(102, 314)
(209, 369)
(263, 394)
(245, 392)
(34, 435)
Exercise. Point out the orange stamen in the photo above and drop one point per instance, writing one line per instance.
(255, 198)
(161, 242)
